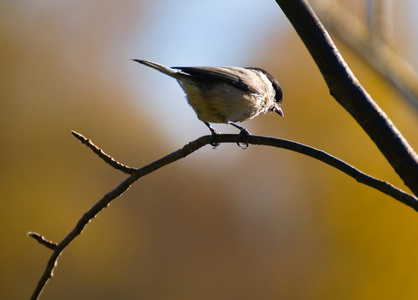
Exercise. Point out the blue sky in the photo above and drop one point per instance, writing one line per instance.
(214, 32)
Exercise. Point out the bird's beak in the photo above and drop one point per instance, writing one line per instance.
(279, 110)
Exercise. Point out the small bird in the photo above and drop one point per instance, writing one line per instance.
(226, 94)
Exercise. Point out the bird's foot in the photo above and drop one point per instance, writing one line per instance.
(213, 139)
(242, 133)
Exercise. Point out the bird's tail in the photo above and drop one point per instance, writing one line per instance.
(163, 69)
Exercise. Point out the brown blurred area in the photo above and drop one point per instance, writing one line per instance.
(269, 224)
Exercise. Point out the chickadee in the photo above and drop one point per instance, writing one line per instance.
(226, 94)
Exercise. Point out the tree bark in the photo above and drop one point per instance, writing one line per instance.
(347, 90)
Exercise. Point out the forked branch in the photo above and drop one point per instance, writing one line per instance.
(191, 147)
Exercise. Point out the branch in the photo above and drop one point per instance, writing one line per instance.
(107, 158)
(346, 89)
(191, 147)
(41, 240)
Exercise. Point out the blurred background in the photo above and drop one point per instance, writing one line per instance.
(223, 223)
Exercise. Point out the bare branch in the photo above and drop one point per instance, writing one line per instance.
(41, 240)
(347, 90)
(343, 86)
(339, 164)
(361, 177)
(104, 202)
(107, 158)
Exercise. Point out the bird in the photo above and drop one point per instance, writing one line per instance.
(226, 94)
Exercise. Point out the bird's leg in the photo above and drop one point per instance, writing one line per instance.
(212, 140)
(243, 132)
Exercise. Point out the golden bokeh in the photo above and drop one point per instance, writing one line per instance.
(221, 224)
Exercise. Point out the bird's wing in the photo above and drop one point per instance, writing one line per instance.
(226, 74)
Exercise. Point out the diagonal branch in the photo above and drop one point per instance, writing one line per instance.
(346, 89)
(100, 153)
(191, 147)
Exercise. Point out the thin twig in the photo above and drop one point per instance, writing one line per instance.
(361, 177)
(41, 240)
(104, 202)
(107, 158)
(339, 164)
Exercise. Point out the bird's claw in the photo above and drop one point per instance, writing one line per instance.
(244, 132)
(213, 139)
